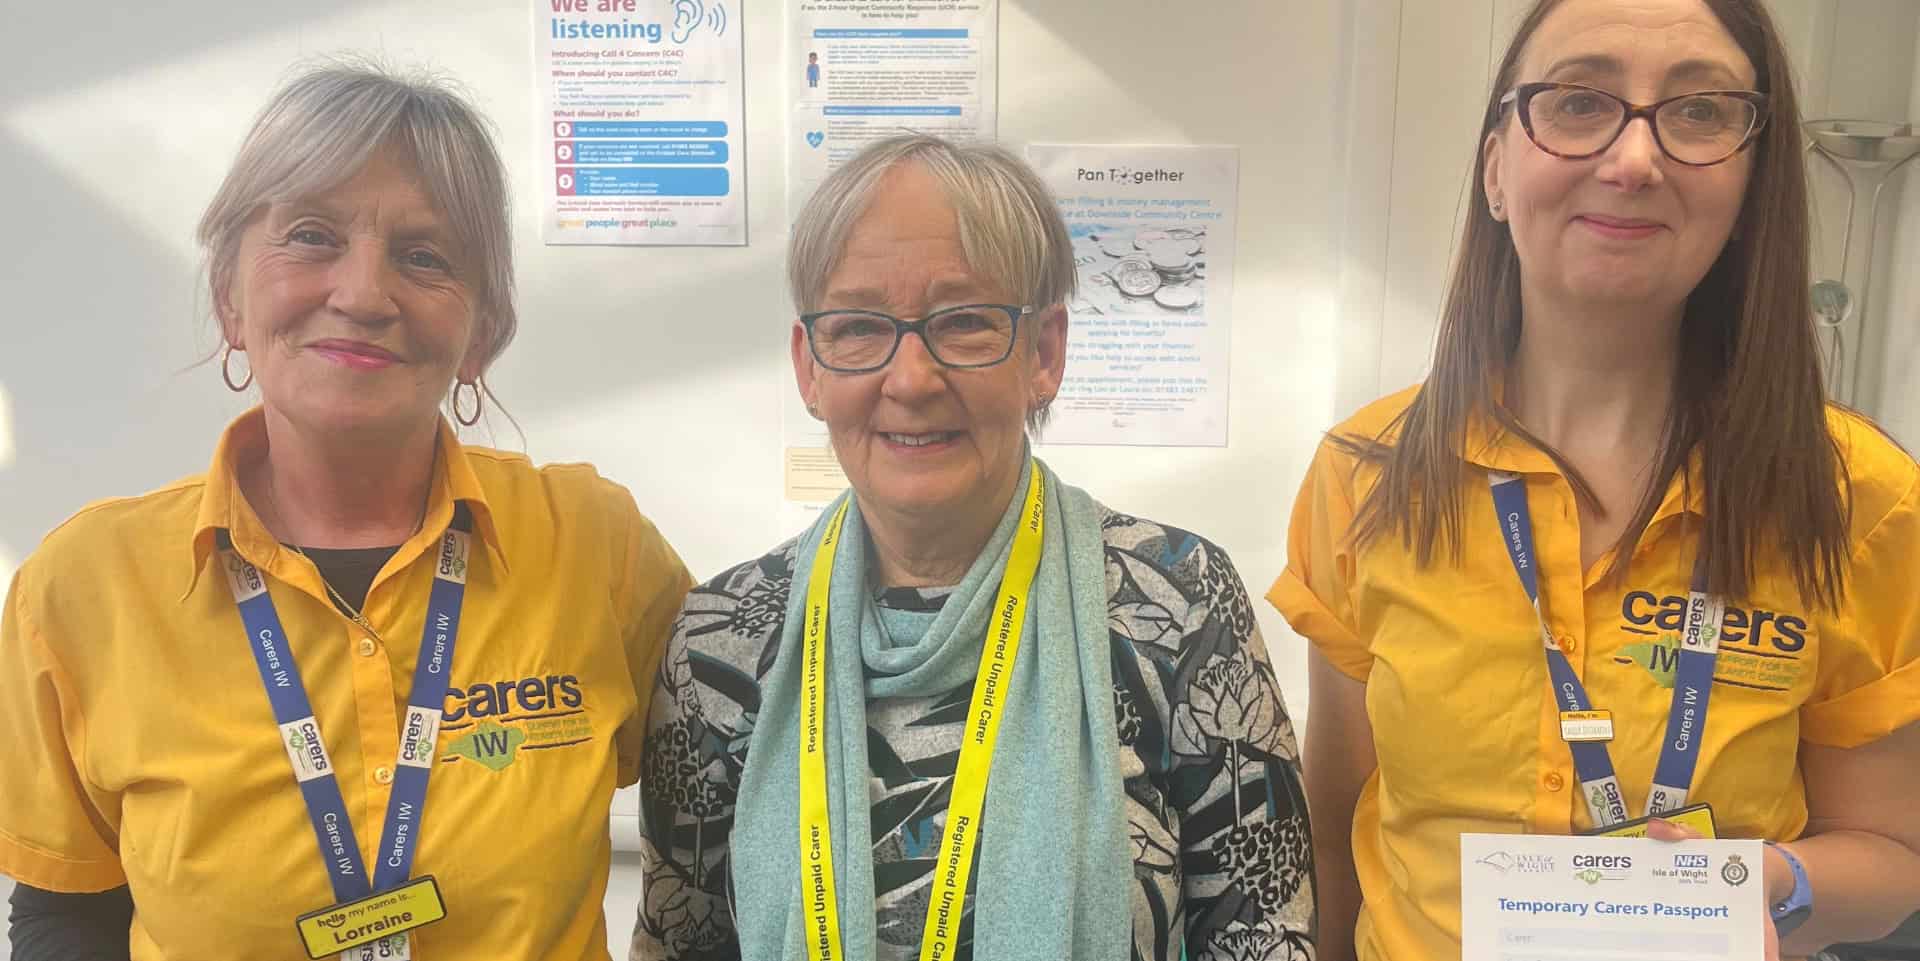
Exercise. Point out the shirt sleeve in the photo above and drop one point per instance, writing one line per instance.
(1869, 676)
(1313, 593)
(1247, 863)
(656, 582)
(52, 833)
(686, 820)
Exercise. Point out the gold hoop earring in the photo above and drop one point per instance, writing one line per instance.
(226, 372)
(466, 421)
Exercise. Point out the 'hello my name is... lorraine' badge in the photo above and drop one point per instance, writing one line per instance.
(329, 931)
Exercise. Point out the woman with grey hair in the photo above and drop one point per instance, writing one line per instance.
(357, 673)
(971, 712)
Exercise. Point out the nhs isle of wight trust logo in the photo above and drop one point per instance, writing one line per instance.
(1735, 871)
(1507, 863)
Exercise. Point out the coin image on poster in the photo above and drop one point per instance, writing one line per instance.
(1170, 258)
(1139, 270)
(1136, 277)
(1177, 297)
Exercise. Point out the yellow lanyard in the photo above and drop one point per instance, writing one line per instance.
(969, 788)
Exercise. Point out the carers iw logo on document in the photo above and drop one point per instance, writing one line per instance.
(1595, 868)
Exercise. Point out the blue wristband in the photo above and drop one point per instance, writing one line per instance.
(1794, 911)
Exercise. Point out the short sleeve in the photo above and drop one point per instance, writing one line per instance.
(1314, 592)
(1869, 676)
(52, 833)
(655, 582)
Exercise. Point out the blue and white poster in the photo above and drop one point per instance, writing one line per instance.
(1153, 247)
(638, 123)
(862, 69)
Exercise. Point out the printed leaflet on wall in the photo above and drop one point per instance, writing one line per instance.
(637, 130)
(1149, 329)
(862, 71)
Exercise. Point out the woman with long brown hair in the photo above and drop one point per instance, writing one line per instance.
(1625, 432)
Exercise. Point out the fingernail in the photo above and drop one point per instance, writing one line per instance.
(1663, 822)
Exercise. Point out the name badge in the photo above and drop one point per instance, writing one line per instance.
(342, 927)
(1579, 726)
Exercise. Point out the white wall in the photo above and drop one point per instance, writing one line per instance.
(1900, 389)
(1859, 57)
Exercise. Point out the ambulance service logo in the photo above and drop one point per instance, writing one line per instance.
(1735, 872)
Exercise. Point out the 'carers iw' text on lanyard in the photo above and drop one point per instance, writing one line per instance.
(300, 732)
(1692, 686)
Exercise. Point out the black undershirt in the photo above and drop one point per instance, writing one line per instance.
(350, 571)
(51, 926)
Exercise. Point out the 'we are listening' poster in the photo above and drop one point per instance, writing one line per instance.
(638, 120)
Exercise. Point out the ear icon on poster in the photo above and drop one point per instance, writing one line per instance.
(688, 15)
(815, 138)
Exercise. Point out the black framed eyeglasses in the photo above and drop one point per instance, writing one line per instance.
(1574, 121)
(964, 337)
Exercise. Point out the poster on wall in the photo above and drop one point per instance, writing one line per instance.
(861, 70)
(637, 129)
(1153, 247)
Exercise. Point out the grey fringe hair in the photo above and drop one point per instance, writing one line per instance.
(1010, 226)
(322, 127)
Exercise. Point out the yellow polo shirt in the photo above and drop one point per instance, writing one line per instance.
(1464, 725)
(140, 748)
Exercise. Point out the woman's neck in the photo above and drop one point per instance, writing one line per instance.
(315, 490)
(931, 549)
(1595, 383)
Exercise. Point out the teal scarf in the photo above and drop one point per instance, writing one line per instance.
(1054, 876)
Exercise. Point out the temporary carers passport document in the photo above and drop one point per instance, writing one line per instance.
(1536, 898)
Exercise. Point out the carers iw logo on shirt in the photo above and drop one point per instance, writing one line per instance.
(492, 723)
(1760, 649)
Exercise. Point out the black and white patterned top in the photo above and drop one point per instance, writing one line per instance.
(1216, 813)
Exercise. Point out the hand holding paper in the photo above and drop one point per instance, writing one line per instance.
(1532, 898)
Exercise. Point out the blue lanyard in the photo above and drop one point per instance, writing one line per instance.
(312, 766)
(1692, 684)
